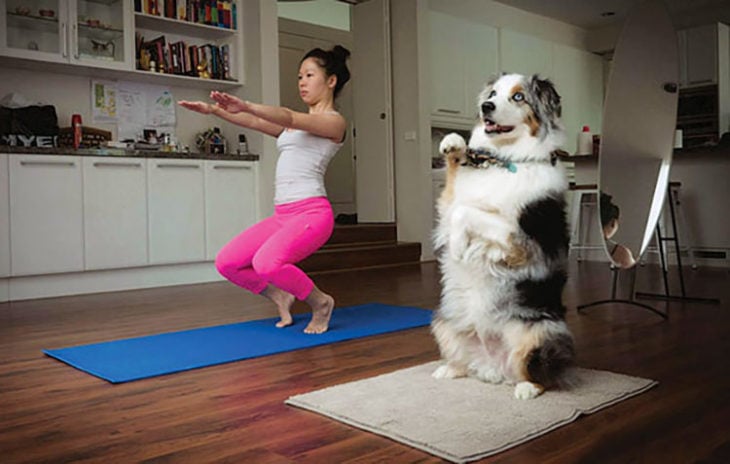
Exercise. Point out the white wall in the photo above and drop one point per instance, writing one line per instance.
(411, 103)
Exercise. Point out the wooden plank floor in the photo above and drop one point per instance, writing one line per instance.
(50, 412)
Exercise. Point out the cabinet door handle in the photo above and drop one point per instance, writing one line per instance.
(220, 166)
(173, 165)
(64, 40)
(444, 110)
(75, 37)
(48, 163)
(119, 164)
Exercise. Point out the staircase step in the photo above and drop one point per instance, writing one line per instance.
(363, 233)
(359, 256)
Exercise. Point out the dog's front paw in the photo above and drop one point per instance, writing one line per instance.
(447, 371)
(451, 143)
(528, 390)
(453, 147)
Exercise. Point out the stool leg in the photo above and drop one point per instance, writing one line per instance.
(575, 210)
(682, 228)
(588, 219)
(581, 229)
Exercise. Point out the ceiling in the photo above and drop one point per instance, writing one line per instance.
(587, 13)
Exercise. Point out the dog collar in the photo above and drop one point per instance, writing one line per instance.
(481, 158)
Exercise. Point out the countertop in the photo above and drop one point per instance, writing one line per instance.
(121, 152)
(682, 153)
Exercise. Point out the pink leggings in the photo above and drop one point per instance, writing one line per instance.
(265, 253)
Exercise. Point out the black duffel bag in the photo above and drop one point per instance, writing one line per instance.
(30, 126)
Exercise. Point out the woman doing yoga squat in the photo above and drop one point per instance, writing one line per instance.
(262, 258)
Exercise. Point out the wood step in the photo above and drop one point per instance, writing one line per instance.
(363, 233)
(336, 258)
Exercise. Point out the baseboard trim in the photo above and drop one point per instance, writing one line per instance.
(76, 283)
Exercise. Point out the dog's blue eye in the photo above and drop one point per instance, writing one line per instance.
(492, 93)
(518, 96)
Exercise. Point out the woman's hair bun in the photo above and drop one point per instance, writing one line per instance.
(340, 52)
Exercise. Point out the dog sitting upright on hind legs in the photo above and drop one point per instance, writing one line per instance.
(502, 238)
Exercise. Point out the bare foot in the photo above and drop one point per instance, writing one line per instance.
(284, 301)
(321, 312)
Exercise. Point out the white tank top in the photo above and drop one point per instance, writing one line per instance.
(303, 160)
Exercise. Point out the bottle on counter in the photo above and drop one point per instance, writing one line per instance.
(242, 144)
(76, 128)
(585, 142)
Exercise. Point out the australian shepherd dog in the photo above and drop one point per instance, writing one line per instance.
(502, 242)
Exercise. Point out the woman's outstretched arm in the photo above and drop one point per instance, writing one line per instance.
(242, 119)
(329, 125)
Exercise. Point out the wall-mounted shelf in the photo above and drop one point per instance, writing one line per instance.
(177, 27)
(183, 81)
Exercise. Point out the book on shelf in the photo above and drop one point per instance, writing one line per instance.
(218, 13)
(184, 59)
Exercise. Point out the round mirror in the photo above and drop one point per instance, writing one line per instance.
(637, 137)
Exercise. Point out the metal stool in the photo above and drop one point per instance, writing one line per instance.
(584, 196)
(660, 239)
(678, 225)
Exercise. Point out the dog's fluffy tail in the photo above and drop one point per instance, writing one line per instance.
(548, 363)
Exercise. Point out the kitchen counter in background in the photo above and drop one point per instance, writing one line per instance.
(704, 173)
(679, 153)
(96, 220)
(121, 152)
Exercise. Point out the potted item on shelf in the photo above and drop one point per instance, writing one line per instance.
(211, 142)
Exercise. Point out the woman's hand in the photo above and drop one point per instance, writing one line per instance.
(230, 103)
(197, 106)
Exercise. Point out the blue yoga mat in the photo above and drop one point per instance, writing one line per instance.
(139, 358)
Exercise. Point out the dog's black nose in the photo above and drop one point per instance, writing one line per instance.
(488, 107)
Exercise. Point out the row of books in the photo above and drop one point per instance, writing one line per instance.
(219, 13)
(204, 61)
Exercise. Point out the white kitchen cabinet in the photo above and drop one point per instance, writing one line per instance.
(704, 57)
(482, 61)
(4, 218)
(46, 214)
(578, 79)
(230, 202)
(700, 55)
(447, 66)
(115, 212)
(96, 33)
(176, 217)
(525, 54)
(463, 56)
